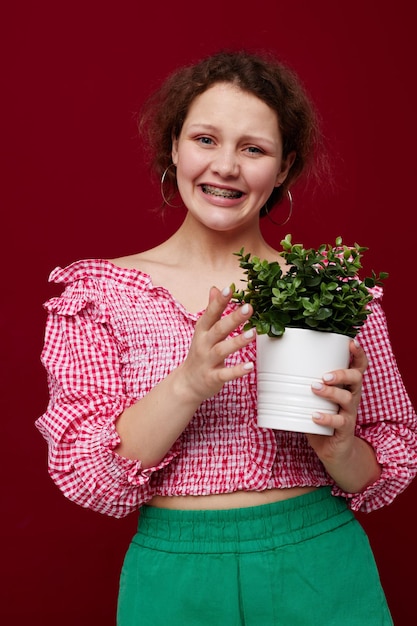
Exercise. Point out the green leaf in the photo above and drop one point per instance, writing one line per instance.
(321, 288)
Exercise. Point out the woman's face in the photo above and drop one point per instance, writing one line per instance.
(228, 157)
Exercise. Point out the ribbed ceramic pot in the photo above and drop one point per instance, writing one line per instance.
(286, 368)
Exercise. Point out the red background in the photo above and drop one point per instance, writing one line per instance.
(74, 186)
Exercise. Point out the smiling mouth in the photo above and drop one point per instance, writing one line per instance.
(221, 193)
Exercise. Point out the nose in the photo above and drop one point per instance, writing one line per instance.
(226, 162)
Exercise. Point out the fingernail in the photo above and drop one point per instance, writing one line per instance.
(248, 366)
(317, 385)
(328, 377)
(356, 342)
(245, 309)
(249, 333)
(226, 291)
(317, 416)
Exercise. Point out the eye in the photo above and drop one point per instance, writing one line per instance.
(206, 141)
(254, 150)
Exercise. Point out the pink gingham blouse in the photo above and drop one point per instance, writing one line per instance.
(112, 335)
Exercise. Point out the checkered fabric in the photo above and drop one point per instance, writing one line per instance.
(112, 335)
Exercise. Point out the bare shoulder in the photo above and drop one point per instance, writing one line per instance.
(165, 268)
(270, 254)
(143, 261)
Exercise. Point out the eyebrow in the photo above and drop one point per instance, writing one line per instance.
(202, 126)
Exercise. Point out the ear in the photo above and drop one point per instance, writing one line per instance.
(285, 168)
(174, 151)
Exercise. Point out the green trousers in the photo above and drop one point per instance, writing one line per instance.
(305, 561)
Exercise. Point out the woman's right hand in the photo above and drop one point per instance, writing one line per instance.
(204, 369)
(149, 428)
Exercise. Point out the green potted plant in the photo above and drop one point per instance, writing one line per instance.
(304, 318)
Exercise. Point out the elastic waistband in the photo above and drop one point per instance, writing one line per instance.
(248, 529)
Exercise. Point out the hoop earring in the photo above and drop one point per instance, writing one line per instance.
(289, 195)
(174, 206)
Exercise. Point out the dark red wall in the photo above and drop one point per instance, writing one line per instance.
(74, 186)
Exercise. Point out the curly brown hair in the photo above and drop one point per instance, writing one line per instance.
(260, 74)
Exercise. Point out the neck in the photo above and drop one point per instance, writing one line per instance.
(217, 247)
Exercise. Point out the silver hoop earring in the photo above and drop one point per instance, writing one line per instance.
(174, 206)
(289, 195)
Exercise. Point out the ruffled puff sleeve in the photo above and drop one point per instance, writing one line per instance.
(386, 417)
(86, 396)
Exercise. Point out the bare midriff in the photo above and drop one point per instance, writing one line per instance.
(236, 500)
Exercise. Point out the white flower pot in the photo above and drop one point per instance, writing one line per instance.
(286, 368)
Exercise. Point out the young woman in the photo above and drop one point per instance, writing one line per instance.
(153, 385)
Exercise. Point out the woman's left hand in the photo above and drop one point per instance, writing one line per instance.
(339, 452)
